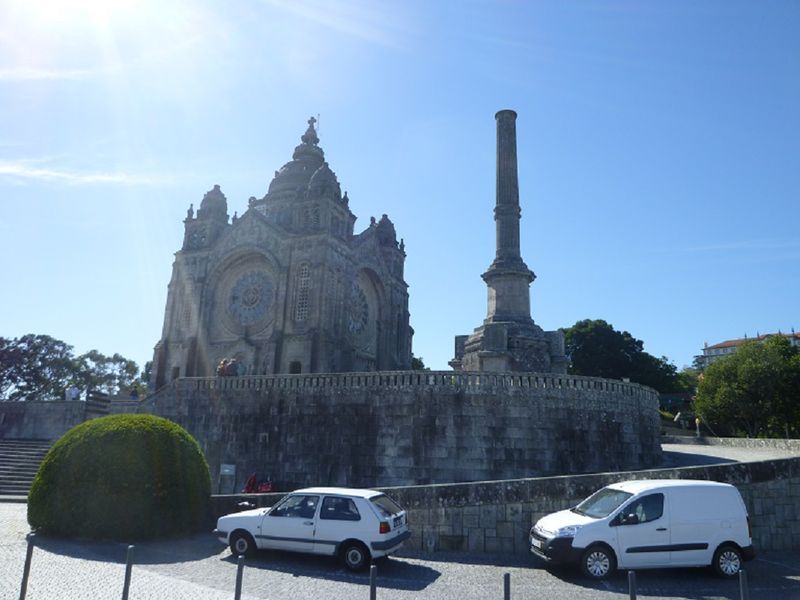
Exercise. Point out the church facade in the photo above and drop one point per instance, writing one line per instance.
(288, 287)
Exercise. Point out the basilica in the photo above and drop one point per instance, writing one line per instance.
(287, 287)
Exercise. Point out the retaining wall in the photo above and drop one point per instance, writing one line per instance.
(495, 516)
(406, 428)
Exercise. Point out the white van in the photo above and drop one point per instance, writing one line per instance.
(649, 524)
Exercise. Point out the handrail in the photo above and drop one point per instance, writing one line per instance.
(469, 381)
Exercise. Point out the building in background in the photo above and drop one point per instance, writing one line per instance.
(288, 287)
(716, 351)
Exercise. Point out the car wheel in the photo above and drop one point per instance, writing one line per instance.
(727, 561)
(355, 556)
(598, 562)
(242, 544)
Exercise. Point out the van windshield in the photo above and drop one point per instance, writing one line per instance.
(602, 503)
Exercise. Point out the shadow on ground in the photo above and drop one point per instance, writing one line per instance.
(671, 459)
(393, 573)
(165, 551)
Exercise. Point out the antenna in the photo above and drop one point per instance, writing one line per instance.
(317, 123)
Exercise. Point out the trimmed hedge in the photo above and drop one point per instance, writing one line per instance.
(121, 477)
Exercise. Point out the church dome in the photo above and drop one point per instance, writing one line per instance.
(214, 205)
(324, 182)
(306, 159)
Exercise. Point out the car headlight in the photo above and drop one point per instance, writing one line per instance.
(568, 531)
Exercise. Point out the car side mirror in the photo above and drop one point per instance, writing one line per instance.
(623, 519)
(631, 519)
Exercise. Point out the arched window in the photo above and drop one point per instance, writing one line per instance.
(301, 303)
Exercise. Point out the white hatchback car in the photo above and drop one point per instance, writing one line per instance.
(356, 525)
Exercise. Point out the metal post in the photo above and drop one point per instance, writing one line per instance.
(126, 587)
(632, 584)
(239, 571)
(507, 586)
(373, 582)
(744, 590)
(26, 569)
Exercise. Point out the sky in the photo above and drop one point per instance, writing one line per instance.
(658, 147)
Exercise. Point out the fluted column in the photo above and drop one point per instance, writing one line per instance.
(507, 211)
(508, 278)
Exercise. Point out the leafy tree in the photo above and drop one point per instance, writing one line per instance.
(40, 367)
(755, 390)
(687, 380)
(596, 349)
(417, 364)
(108, 374)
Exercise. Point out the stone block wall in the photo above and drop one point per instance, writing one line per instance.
(39, 420)
(406, 428)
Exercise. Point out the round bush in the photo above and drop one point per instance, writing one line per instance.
(121, 477)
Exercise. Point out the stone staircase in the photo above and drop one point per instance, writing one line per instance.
(19, 462)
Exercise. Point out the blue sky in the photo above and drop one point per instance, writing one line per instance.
(659, 154)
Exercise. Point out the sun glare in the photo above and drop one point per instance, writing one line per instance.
(99, 13)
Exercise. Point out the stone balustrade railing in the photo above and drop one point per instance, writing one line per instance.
(469, 381)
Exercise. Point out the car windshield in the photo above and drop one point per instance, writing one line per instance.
(602, 503)
(385, 505)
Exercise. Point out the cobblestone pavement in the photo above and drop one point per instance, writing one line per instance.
(199, 567)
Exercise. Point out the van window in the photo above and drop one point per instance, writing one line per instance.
(647, 508)
(602, 503)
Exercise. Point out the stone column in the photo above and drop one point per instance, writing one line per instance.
(507, 211)
(508, 278)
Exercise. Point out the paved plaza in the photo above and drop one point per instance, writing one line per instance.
(199, 567)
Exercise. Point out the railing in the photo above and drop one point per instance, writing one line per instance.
(469, 381)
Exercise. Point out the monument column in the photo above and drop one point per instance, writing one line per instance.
(508, 278)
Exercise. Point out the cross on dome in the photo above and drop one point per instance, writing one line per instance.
(310, 136)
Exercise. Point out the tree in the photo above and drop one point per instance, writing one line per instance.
(417, 364)
(40, 367)
(596, 349)
(755, 390)
(108, 374)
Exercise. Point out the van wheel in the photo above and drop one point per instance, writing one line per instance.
(355, 556)
(598, 562)
(242, 544)
(727, 561)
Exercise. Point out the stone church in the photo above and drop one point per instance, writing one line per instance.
(288, 287)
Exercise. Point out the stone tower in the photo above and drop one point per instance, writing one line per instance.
(288, 286)
(509, 340)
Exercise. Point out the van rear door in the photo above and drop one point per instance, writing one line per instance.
(642, 530)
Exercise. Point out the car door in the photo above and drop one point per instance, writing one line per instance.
(290, 524)
(643, 535)
(339, 519)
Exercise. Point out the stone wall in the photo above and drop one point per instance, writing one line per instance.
(406, 428)
(39, 420)
(495, 516)
(52, 419)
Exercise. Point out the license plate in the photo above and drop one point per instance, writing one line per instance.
(398, 521)
(536, 543)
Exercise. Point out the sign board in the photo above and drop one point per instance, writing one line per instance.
(227, 469)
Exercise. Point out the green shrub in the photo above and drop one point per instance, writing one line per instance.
(121, 477)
